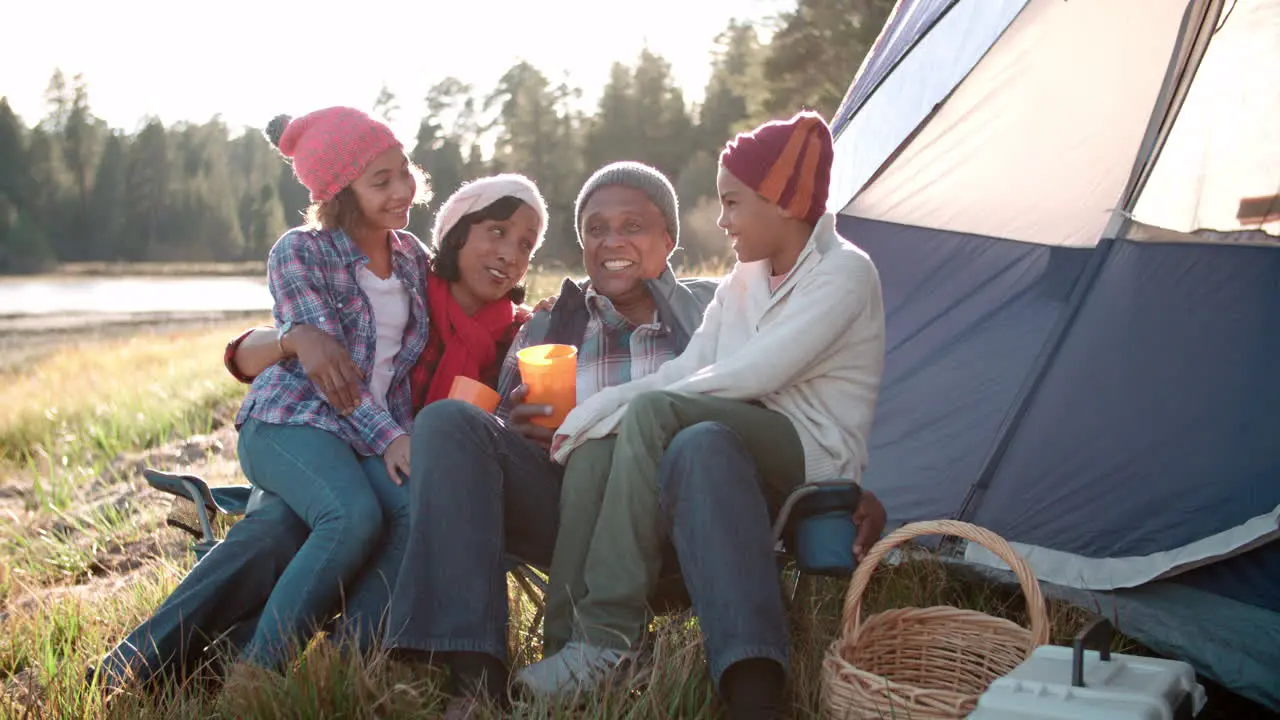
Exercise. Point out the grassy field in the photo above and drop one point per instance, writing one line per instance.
(85, 556)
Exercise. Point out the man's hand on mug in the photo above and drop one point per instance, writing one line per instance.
(522, 415)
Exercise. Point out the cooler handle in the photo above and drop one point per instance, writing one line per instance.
(1098, 635)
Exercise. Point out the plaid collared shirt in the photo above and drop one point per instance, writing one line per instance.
(613, 351)
(312, 278)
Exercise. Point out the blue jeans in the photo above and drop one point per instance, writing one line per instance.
(718, 507)
(485, 491)
(221, 597)
(345, 500)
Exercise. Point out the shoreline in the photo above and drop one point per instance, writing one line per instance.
(81, 270)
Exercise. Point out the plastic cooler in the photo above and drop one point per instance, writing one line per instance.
(1075, 682)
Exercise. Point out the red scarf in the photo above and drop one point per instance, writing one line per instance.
(461, 344)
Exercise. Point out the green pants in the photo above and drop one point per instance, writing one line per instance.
(609, 547)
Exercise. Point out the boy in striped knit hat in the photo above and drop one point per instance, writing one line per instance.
(787, 364)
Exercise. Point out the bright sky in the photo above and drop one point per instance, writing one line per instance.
(249, 60)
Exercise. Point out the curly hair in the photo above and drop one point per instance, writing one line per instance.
(444, 262)
(343, 209)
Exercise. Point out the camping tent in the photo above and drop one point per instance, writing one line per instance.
(1073, 205)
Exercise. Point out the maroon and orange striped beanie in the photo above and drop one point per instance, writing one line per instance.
(788, 162)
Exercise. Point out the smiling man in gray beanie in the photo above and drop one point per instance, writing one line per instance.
(627, 219)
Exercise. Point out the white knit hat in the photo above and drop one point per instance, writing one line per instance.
(480, 194)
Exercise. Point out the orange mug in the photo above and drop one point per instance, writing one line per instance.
(551, 372)
(474, 392)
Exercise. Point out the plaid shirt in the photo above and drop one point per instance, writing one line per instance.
(312, 277)
(613, 351)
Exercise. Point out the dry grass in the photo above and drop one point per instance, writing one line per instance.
(54, 643)
(65, 417)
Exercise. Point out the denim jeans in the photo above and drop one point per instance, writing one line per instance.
(345, 500)
(221, 597)
(719, 508)
(478, 490)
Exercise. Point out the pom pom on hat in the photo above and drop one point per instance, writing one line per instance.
(787, 161)
(275, 129)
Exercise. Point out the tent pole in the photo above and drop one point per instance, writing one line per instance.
(1173, 95)
(1039, 369)
(1175, 76)
(839, 125)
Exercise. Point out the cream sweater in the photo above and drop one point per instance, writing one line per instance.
(812, 351)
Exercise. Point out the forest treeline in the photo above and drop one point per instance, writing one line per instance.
(74, 189)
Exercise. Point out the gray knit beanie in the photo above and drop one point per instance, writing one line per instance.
(641, 177)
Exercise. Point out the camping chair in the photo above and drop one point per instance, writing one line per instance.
(802, 534)
(229, 501)
(208, 502)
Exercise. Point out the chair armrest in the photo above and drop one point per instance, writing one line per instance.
(815, 497)
(190, 487)
(232, 499)
(228, 500)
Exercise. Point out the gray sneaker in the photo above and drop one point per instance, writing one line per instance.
(577, 668)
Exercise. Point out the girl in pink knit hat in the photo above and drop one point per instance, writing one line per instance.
(352, 273)
(353, 284)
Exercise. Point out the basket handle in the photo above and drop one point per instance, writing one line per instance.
(991, 541)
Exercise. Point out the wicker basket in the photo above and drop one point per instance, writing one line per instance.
(926, 663)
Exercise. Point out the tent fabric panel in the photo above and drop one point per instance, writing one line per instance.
(966, 317)
(924, 77)
(1155, 424)
(1039, 141)
(905, 24)
(1220, 167)
(1252, 578)
(1202, 17)
(1118, 572)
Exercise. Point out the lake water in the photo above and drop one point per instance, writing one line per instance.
(55, 295)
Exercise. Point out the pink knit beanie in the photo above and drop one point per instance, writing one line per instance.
(331, 147)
